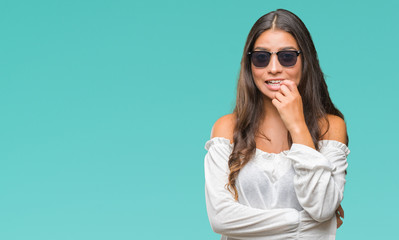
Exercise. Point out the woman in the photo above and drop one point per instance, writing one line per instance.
(276, 166)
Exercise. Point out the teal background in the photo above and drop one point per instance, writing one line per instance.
(106, 107)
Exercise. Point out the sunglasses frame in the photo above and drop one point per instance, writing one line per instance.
(277, 53)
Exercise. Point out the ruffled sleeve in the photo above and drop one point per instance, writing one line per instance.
(320, 177)
(229, 217)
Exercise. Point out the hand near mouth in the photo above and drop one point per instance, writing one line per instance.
(288, 102)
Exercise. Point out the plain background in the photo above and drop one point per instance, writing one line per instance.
(106, 107)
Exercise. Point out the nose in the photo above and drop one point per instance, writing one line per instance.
(274, 65)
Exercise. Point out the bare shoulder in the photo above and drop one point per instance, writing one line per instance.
(336, 129)
(224, 127)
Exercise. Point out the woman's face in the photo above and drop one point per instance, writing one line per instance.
(274, 41)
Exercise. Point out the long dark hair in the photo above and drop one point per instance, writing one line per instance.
(249, 110)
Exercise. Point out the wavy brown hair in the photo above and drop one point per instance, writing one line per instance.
(249, 110)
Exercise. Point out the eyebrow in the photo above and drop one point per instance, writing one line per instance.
(280, 49)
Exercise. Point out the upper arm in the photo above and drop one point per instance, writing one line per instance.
(335, 129)
(224, 127)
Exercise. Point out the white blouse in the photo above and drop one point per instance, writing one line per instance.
(289, 195)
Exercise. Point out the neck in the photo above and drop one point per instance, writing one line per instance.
(272, 131)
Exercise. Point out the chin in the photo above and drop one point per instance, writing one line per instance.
(269, 95)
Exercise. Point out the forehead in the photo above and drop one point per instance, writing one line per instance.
(274, 40)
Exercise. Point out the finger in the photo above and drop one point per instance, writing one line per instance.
(290, 84)
(280, 97)
(276, 103)
(285, 90)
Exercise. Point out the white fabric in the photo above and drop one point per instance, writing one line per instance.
(288, 195)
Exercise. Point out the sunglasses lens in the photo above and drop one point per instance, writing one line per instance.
(260, 59)
(287, 59)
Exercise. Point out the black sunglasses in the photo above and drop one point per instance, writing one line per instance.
(286, 58)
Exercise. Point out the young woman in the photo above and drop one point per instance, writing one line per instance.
(276, 166)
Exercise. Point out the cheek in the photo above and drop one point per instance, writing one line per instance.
(257, 76)
(298, 77)
(297, 74)
(256, 73)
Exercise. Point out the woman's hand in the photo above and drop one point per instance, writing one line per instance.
(288, 102)
(339, 213)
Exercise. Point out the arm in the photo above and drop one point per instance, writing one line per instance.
(229, 217)
(320, 176)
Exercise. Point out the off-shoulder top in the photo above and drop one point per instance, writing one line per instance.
(289, 195)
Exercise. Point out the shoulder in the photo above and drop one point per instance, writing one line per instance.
(335, 129)
(224, 127)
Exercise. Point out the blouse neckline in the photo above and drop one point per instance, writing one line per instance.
(285, 152)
